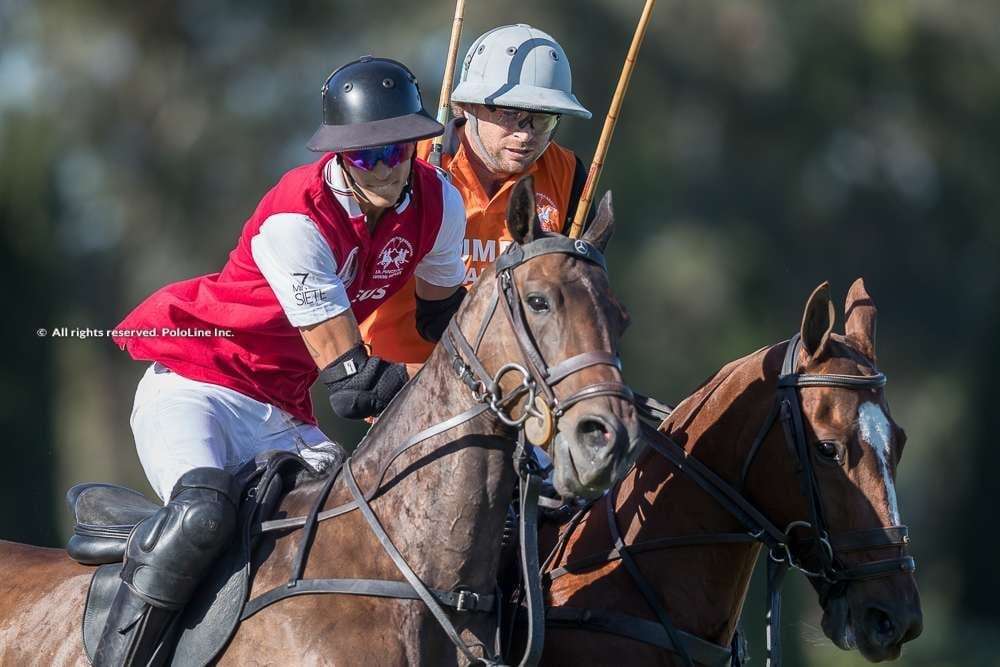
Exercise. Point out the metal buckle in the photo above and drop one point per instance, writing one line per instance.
(480, 392)
(464, 598)
(789, 559)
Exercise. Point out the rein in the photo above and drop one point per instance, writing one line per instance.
(537, 387)
(833, 575)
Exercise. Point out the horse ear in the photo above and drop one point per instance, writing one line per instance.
(861, 312)
(602, 227)
(817, 321)
(522, 218)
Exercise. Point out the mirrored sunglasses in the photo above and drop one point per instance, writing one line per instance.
(390, 155)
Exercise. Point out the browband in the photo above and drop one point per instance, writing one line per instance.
(517, 254)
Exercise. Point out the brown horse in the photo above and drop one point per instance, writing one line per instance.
(441, 502)
(696, 558)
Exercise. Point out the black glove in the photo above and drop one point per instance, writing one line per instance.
(361, 386)
(433, 316)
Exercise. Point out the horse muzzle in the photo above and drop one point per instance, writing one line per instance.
(877, 628)
(592, 453)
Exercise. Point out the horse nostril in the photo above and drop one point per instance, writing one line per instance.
(592, 432)
(882, 624)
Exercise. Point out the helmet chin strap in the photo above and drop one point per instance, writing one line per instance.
(472, 123)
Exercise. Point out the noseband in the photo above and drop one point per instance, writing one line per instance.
(538, 379)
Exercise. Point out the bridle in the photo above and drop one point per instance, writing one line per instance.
(541, 404)
(538, 379)
(537, 387)
(788, 408)
(831, 576)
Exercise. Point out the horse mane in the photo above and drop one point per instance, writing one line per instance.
(688, 408)
(841, 347)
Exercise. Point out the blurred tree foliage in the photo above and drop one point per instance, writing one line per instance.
(765, 146)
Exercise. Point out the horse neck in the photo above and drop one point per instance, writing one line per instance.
(717, 425)
(719, 422)
(447, 497)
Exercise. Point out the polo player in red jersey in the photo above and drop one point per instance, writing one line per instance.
(326, 246)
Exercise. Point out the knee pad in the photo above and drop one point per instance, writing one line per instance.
(168, 553)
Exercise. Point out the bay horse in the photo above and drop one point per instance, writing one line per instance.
(440, 497)
(666, 557)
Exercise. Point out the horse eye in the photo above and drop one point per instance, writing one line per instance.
(538, 303)
(828, 450)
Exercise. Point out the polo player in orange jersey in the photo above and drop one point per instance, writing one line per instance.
(502, 131)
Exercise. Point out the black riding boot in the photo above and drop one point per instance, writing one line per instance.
(166, 556)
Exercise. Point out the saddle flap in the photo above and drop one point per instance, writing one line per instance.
(103, 587)
(211, 617)
(208, 621)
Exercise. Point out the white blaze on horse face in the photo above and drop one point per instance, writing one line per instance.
(875, 431)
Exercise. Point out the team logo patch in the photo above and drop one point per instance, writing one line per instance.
(393, 259)
(548, 213)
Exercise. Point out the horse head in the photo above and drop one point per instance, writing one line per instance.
(554, 356)
(840, 498)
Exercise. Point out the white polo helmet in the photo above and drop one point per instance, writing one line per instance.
(520, 67)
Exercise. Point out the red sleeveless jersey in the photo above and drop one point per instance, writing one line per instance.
(229, 329)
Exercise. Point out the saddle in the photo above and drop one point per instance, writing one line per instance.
(105, 516)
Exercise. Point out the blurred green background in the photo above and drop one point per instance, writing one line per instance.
(764, 146)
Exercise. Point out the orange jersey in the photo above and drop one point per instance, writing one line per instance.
(391, 330)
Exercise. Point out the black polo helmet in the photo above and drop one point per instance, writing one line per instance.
(372, 102)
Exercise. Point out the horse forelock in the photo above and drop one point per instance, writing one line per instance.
(844, 356)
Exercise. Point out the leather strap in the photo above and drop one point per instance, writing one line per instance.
(758, 441)
(458, 600)
(511, 306)
(567, 367)
(639, 629)
(298, 568)
(412, 441)
(518, 254)
(460, 350)
(776, 571)
(702, 539)
(397, 558)
(759, 525)
(878, 568)
(651, 408)
(875, 538)
(530, 570)
(832, 380)
(487, 318)
(652, 599)
(617, 389)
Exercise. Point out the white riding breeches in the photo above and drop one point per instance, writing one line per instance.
(181, 424)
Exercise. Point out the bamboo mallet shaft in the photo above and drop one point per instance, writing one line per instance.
(609, 123)
(444, 103)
